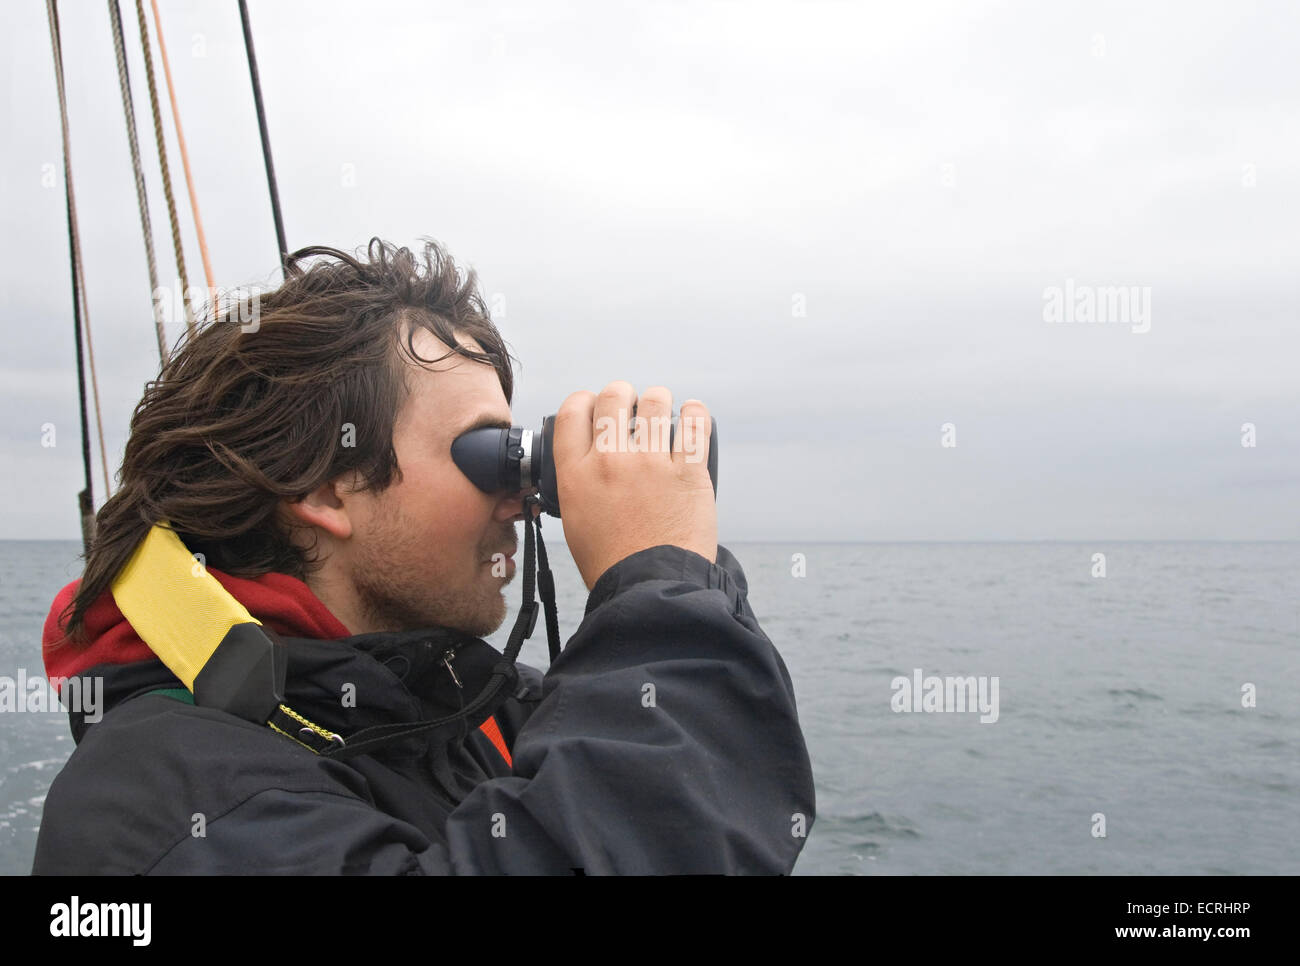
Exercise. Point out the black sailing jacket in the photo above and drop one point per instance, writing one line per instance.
(664, 739)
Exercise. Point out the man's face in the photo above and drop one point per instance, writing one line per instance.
(421, 550)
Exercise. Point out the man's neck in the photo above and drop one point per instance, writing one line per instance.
(338, 595)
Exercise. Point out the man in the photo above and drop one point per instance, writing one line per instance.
(305, 460)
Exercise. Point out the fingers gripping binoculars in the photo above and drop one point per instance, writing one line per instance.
(498, 459)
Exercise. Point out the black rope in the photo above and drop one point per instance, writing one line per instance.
(527, 618)
(266, 139)
(81, 369)
(81, 363)
(546, 589)
(86, 498)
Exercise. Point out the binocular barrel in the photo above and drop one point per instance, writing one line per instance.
(519, 459)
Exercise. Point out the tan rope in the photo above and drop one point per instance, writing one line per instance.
(185, 155)
(161, 139)
(141, 196)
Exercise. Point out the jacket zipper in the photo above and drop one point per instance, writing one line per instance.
(447, 655)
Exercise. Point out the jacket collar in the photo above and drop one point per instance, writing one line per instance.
(283, 603)
(343, 683)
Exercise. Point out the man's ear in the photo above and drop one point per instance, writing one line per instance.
(324, 508)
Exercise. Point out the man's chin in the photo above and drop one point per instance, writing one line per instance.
(485, 623)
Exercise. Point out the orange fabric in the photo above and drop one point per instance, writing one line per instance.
(489, 728)
(185, 158)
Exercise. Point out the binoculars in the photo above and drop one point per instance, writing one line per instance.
(519, 459)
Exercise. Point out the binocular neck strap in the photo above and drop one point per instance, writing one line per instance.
(503, 674)
(527, 618)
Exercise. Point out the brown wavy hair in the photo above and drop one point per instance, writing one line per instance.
(238, 421)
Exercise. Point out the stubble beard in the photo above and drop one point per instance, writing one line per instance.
(396, 592)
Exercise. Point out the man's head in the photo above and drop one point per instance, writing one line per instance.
(431, 548)
(316, 443)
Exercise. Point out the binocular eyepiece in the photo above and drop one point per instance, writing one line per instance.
(519, 459)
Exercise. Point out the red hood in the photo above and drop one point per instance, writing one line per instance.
(283, 603)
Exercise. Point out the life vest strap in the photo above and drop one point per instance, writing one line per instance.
(222, 654)
(177, 607)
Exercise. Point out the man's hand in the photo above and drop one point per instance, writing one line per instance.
(623, 494)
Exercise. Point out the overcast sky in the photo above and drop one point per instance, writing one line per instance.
(834, 223)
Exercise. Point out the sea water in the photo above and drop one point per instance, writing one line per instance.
(1147, 717)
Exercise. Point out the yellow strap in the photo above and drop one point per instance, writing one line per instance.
(174, 604)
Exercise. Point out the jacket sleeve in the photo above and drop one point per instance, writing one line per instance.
(667, 739)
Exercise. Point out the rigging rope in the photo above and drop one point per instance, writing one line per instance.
(161, 140)
(266, 140)
(80, 308)
(142, 197)
(185, 154)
